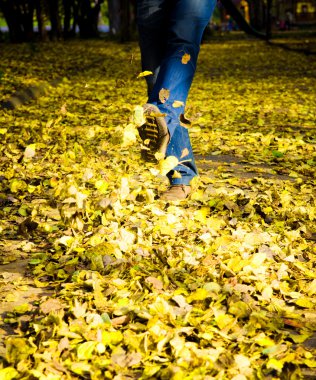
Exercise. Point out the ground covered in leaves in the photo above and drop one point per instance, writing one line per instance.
(219, 287)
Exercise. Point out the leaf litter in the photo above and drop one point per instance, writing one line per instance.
(222, 286)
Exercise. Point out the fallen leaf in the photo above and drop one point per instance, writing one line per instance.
(145, 74)
(185, 58)
(164, 95)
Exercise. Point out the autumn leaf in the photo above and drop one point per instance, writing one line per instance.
(167, 164)
(185, 58)
(177, 104)
(164, 95)
(144, 74)
(184, 153)
(103, 280)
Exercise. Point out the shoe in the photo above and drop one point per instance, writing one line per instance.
(176, 193)
(154, 133)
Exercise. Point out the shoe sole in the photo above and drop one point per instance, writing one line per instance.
(154, 133)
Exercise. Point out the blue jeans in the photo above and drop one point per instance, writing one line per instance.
(170, 33)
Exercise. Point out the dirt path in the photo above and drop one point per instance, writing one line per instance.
(16, 289)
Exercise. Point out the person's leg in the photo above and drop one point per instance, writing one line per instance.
(152, 16)
(188, 20)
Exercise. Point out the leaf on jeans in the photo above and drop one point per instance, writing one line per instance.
(168, 164)
(185, 152)
(176, 174)
(144, 74)
(177, 104)
(164, 95)
(185, 58)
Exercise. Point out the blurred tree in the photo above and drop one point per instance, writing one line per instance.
(239, 18)
(88, 17)
(122, 18)
(66, 15)
(63, 15)
(55, 19)
(19, 18)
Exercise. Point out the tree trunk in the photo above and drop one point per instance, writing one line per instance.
(239, 19)
(122, 18)
(125, 32)
(27, 8)
(40, 20)
(89, 18)
(268, 20)
(10, 11)
(114, 16)
(258, 16)
(67, 17)
(54, 16)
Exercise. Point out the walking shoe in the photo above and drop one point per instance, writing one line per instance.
(154, 133)
(176, 193)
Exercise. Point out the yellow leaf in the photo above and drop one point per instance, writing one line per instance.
(138, 117)
(185, 152)
(305, 302)
(224, 320)
(30, 151)
(85, 350)
(242, 361)
(144, 74)
(17, 185)
(22, 309)
(176, 174)
(267, 293)
(8, 373)
(164, 95)
(101, 185)
(185, 58)
(177, 104)
(202, 214)
(265, 341)
(129, 135)
(275, 364)
(159, 156)
(124, 190)
(157, 284)
(199, 295)
(311, 289)
(167, 164)
(239, 309)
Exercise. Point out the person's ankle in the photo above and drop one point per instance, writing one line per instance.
(176, 192)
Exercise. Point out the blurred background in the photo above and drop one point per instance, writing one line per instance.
(42, 20)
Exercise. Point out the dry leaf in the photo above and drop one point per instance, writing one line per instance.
(144, 74)
(177, 104)
(157, 284)
(176, 174)
(185, 152)
(51, 305)
(164, 95)
(185, 58)
(167, 164)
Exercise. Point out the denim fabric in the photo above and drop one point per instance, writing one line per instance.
(168, 29)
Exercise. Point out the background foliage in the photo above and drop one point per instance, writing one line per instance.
(222, 286)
